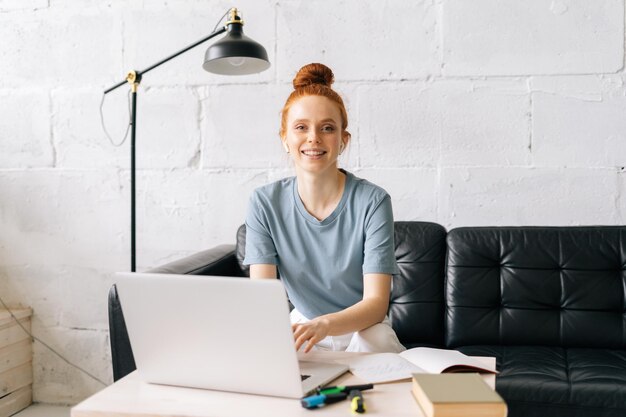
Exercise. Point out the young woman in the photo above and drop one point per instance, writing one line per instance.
(326, 232)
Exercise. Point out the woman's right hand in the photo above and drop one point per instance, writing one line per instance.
(310, 332)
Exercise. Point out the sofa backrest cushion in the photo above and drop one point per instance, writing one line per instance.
(416, 307)
(555, 286)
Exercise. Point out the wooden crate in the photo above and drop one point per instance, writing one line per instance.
(16, 362)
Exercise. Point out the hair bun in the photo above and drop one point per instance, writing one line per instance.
(313, 74)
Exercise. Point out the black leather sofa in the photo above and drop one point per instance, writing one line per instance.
(548, 302)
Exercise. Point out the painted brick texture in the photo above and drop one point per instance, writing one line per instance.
(483, 112)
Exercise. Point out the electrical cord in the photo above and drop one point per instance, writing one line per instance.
(106, 132)
(221, 18)
(48, 346)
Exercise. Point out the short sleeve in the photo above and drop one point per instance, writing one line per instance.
(260, 248)
(379, 249)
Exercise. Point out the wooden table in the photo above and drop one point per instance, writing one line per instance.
(131, 396)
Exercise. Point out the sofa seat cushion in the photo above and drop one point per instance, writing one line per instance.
(567, 381)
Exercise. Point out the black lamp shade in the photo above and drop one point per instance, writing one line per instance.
(235, 54)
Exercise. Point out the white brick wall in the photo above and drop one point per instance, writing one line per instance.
(579, 125)
(25, 126)
(486, 112)
(522, 196)
(509, 37)
(390, 39)
(239, 126)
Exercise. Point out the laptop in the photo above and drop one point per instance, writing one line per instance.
(219, 333)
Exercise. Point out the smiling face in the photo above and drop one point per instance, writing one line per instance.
(313, 135)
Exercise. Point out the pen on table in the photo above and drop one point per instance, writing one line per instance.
(315, 401)
(344, 388)
(357, 405)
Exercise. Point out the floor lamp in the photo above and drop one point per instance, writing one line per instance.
(234, 54)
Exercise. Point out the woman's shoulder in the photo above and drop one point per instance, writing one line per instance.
(367, 190)
(274, 190)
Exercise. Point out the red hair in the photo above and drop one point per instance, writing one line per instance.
(313, 80)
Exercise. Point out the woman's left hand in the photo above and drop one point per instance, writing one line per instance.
(312, 332)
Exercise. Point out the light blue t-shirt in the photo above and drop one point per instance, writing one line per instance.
(321, 263)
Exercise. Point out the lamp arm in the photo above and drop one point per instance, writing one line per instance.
(163, 61)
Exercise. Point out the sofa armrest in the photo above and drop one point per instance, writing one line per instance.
(220, 260)
(122, 358)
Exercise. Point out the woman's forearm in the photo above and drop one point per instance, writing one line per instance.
(359, 316)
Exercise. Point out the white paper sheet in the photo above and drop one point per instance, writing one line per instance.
(388, 367)
(436, 361)
(381, 367)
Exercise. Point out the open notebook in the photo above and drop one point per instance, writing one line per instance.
(387, 367)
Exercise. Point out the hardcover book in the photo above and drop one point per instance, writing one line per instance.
(457, 395)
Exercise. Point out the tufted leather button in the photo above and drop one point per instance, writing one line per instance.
(503, 287)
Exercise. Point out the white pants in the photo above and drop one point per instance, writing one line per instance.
(377, 338)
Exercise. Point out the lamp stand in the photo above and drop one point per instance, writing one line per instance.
(134, 78)
(249, 57)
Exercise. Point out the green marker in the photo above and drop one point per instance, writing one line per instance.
(344, 388)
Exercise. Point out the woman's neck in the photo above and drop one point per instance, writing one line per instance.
(321, 194)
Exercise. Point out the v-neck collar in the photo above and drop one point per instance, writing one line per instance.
(332, 216)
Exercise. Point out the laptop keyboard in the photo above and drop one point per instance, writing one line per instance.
(303, 377)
